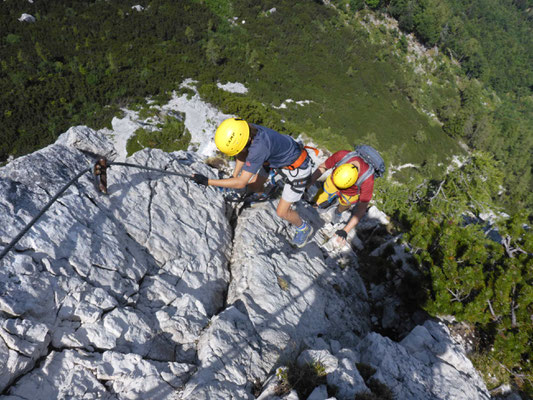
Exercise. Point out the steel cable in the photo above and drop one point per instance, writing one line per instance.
(46, 207)
(58, 194)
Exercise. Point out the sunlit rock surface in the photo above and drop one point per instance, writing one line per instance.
(160, 290)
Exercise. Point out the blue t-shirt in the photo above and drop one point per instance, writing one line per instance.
(272, 147)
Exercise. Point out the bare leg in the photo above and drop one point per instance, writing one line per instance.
(342, 208)
(257, 185)
(284, 211)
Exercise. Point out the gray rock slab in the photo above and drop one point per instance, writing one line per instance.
(111, 375)
(138, 272)
(413, 373)
(279, 297)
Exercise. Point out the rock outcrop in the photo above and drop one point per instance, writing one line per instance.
(160, 290)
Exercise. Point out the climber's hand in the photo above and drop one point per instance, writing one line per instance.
(340, 237)
(200, 179)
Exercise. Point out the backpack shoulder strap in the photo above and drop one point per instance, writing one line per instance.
(345, 159)
(365, 176)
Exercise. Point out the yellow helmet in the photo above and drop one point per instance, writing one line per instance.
(345, 176)
(232, 136)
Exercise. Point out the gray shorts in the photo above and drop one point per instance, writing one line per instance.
(291, 194)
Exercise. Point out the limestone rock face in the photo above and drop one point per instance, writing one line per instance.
(427, 364)
(138, 272)
(161, 290)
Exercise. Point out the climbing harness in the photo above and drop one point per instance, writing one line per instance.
(277, 176)
(301, 158)
(298, 185)
(100, 174)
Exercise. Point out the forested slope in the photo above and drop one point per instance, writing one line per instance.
(99, 54)
(493, 41)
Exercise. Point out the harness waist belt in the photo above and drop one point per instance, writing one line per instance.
(299, 161)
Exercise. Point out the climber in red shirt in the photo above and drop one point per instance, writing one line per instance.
(345, 184)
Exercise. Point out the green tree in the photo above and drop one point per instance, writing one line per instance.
(213, 52)
(480, 280)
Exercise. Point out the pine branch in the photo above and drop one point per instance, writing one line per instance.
(492, 311)
(515, 374)
(506, 242)
(514, 306)
(456, 296)
(438, 191)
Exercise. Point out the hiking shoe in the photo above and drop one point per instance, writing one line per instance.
(256, 198)
(231, 195)
(302, 235)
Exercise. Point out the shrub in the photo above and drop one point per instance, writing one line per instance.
(302, 379)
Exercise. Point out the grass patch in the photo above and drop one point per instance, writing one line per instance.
(493, 372)
(172, 137)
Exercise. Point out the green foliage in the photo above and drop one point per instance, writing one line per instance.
(246, 108)
(213, 52)
(303, 379)
(148, 112)
(471, 276)
(372, 3)
(493, 372)
(12, 39)
(111, 56)
(97, 57)
(172, 137)
(491, 38)
(420, 137)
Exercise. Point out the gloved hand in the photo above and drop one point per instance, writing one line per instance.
(336, 242)
(200, 179)
(341, 233)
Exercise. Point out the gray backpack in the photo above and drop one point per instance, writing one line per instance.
(371, 157)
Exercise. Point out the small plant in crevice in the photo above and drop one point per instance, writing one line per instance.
(303, 379)
(379, 391)
(283, 284)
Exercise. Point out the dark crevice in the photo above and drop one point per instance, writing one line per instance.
(38, 363)
(104, 313)
(232, 213)
(91, 200)
(150, 200)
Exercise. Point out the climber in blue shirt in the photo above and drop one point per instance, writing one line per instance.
(255, 148)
